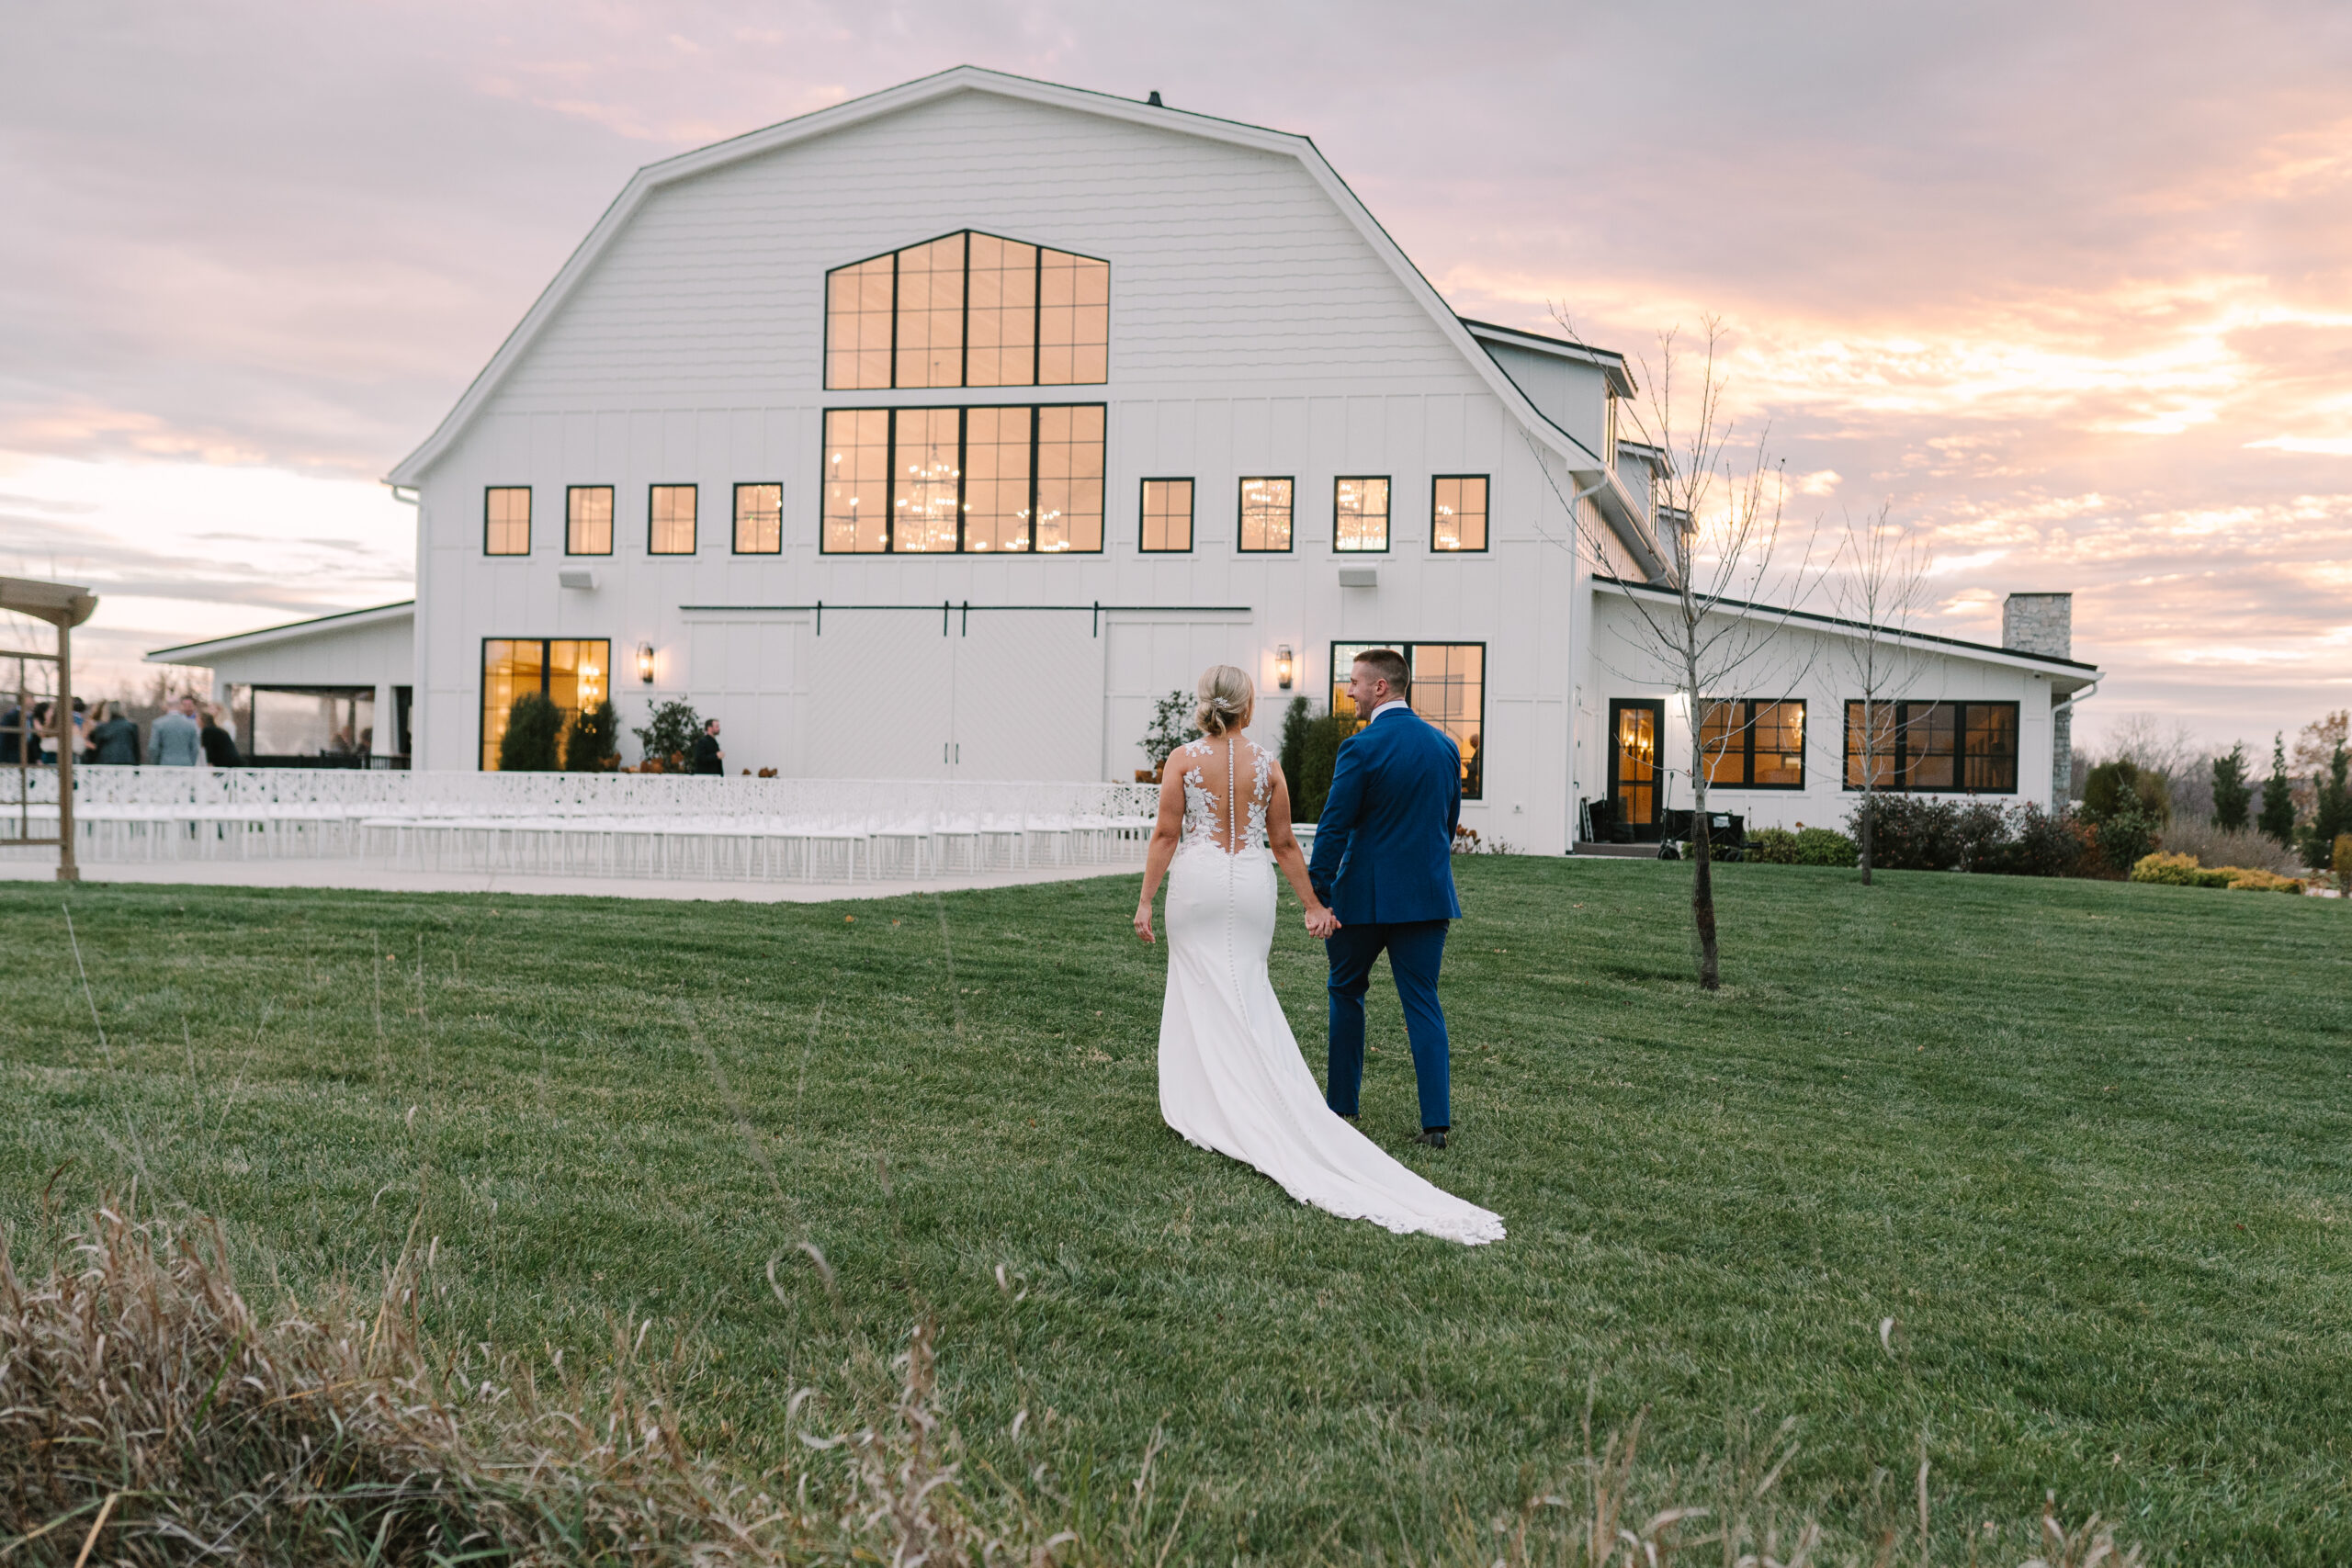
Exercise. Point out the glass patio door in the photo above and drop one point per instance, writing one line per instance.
(1635, 729)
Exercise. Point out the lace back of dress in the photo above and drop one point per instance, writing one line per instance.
(1214, 818)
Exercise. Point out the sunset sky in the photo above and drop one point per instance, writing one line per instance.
(2070, 286)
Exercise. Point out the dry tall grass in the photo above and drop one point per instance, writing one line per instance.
(2228, 846)
(150, 1413)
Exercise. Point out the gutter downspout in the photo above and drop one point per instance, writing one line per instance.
(2077, 695)
(1576, 689)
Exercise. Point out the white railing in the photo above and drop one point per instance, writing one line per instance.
(597, 824)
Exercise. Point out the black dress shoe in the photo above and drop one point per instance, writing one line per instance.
(1433, 1136)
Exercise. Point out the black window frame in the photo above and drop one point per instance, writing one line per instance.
(1747, 722)
(1961, 757)
(1487, 528)
(962, 436)
(1387, 518)
(694, 547)
(547, 684)
(1241, 508)
(611, 508)
(964, 375)
(1191, 513)
(735, 522)
(1651, 832)
(530, 510)
(1474, 783)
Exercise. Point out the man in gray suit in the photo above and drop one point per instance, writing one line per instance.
(176, 740)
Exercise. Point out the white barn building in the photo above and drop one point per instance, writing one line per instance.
(937, 434)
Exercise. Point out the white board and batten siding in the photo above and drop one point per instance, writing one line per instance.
(1254, 331)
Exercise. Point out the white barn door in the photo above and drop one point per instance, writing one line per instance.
(1153, 653)
(881, 696)
(1028, 696)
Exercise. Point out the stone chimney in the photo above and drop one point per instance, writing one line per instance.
(2038, 622)
(2045, 624)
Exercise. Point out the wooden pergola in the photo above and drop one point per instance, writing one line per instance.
(64, 606)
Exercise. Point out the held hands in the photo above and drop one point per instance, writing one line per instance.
(1321, 923)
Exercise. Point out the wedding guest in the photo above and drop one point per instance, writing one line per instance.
(707, 756)
(42, 735)
(220, 746)
(13, 725)
(114, 739)
(176, 739)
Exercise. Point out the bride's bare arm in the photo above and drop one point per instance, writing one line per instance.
(1320, 921)
(1166, 833)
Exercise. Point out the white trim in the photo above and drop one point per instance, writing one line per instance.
(2064, 676)
(199, 653)
(1580, 459)
(1612, 363)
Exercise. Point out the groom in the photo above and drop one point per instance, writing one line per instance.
(1383, 864)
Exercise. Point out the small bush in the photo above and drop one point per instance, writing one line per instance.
(529, 744)
(1772, 846)
(2179, 871)
(668, 738)
(2182, 871)
(1985, 838)
(1825, 846)
(2042, 843)
(2246, 879)
(1911, 833)
(2126, 835)
(592, 743)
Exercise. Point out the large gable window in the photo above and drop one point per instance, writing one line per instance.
(969, 309)
(985, 480)
(1940, 748)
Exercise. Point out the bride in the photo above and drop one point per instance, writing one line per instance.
(1230, 1075)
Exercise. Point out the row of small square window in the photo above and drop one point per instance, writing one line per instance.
(669, 518)
(1359, 513)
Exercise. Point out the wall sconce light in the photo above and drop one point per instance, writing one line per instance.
(1284, 667)
(645, 662)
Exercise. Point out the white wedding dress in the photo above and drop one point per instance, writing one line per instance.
(1230, 1076)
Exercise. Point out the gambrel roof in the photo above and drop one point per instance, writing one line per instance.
(1590, 471)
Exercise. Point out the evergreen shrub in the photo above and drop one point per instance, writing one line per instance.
(1806, 846)
(1318, 757)
(592, 743)
(1827, 846)
(2182, 871)
(529, 744)
(1295, 718)
(2125, 835)
(2330, 811)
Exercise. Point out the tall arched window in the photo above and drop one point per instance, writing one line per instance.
(969, 309)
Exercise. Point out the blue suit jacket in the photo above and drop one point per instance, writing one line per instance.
(1384, 850)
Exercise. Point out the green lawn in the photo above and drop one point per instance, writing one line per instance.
(2089, 1146)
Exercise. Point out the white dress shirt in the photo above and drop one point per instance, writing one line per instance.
(1391, 703)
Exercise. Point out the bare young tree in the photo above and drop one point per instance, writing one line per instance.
(1881, 586)
(1705, 628)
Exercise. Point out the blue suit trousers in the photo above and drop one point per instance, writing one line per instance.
(1416, 949)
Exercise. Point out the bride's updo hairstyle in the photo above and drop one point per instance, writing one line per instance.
(1226, 696)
